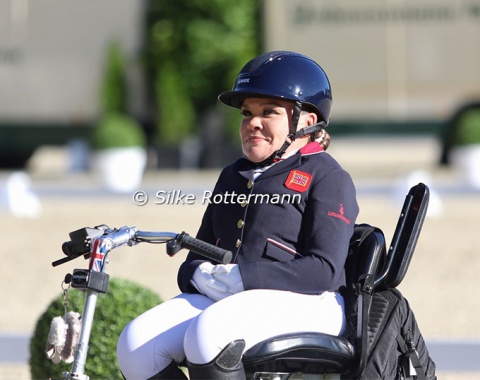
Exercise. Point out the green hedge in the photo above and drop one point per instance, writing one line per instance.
(124, 301)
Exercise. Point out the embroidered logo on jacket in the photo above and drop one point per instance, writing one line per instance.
(298, 181)
(340, 214)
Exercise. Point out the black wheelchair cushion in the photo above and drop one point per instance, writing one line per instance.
(307, 352)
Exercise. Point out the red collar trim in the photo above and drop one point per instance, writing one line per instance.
(311, 148)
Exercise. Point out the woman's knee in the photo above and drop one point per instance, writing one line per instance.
(128, 357)
(215, 328)
(151, 341)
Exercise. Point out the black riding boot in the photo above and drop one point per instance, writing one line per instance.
(172, 372)
(226, 366)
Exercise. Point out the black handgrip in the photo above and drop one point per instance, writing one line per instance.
(207, 250)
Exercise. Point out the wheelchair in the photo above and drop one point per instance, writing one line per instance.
(369, 268)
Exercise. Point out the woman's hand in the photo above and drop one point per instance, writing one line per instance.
(229, 274)
(217, 281)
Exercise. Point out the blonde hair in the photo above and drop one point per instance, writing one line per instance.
(323, 138)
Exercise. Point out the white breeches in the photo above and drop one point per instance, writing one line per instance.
(193, 327)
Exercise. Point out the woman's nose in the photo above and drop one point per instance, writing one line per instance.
(254, 123)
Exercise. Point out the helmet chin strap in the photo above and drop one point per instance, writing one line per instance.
(292, 135)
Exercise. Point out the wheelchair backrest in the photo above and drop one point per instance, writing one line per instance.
(405, 237)
(367, 252)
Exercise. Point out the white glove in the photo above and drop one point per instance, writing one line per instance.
(229, 274)
(206, 284)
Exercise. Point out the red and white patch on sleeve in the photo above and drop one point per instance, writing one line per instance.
(298, 181)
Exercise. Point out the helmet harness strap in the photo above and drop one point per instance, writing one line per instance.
(292, 135)
(297, 109)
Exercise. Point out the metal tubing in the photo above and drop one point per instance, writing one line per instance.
(87, 321)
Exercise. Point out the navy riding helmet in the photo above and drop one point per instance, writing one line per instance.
(286, 75)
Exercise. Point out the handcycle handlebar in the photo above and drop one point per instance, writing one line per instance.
(207, 250)
(80, 242)
(94, 244)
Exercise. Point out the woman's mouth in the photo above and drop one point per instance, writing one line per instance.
(255, 139)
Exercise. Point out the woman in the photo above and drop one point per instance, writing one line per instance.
(288, 219)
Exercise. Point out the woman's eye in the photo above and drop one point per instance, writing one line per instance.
(263, 113)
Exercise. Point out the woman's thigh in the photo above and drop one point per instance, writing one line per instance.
(256, 315)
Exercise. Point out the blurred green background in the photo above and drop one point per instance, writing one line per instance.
(396, 68)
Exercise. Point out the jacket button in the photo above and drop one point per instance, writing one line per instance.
(240, 223)
(238, 243)
(243, 204)
(250, 184)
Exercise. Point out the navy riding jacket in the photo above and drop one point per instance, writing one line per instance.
(288, 229)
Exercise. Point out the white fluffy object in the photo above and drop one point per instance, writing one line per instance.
(63, 338)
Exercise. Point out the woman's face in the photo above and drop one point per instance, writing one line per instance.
(265, 126)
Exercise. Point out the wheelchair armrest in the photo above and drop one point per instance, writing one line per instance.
(365, 260)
